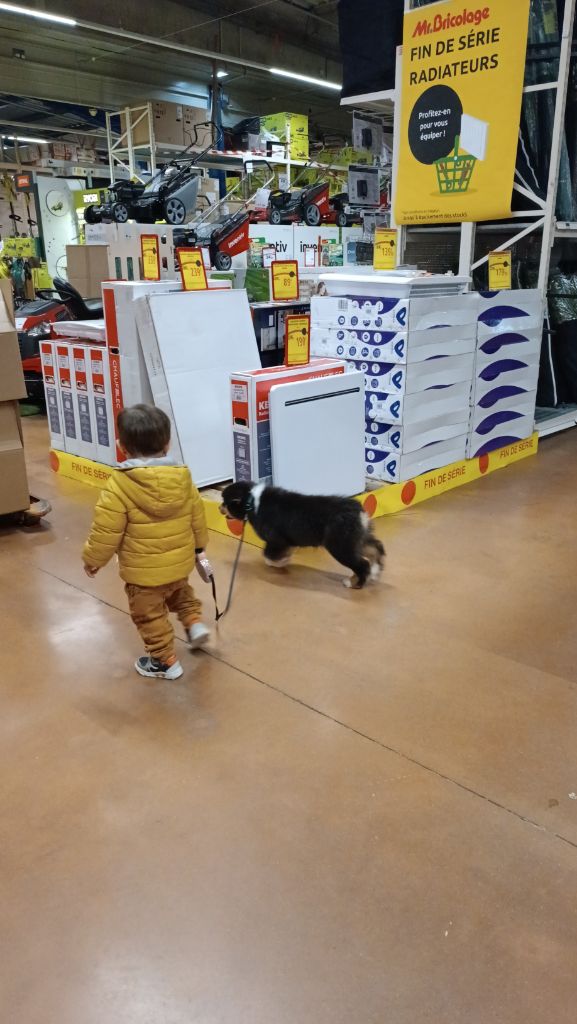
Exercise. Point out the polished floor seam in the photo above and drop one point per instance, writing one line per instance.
(343, 725)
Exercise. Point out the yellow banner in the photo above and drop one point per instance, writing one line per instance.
(462, 80)
(297, 347)
(150, 257)
(192, 270)
(285, 280)
(500, 271)
(385, 254)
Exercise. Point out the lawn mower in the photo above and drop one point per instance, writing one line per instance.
(223, 240)
(309, 204)
(170, 195)
(34, 320)
(226, 235)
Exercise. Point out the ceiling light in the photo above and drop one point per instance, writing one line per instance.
(305, 78)
(21, 138)
(43, 15)
(222, 74)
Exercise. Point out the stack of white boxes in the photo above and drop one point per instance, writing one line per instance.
(504, 390)
(418, 357)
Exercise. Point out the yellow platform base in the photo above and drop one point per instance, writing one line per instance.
(385, 501)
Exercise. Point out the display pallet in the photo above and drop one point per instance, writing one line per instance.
(383, 501)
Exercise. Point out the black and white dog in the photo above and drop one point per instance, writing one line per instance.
(285, 520)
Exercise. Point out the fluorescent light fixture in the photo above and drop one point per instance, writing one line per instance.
(42, 15)
(222, 74)
(21, 138)
(304, 78)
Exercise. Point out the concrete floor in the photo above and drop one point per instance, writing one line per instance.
(359, 808)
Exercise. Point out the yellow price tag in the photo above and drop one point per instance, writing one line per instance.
(150, 257)
(385, 254)
(285, 280)
(192, 270)
(297, 345)
(500, 271)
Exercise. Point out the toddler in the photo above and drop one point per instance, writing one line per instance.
(152, 516)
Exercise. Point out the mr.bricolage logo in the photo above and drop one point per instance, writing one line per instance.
(439, 23)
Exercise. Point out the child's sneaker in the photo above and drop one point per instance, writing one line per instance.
(154, 669)
(198, 635)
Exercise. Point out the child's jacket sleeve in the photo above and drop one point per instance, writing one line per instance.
(199, 527)
(108, 528)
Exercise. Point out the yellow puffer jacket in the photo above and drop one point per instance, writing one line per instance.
(151, 513)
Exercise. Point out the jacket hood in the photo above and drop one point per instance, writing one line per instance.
(160, 487)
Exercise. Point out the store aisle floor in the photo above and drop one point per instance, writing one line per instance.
(358, 807)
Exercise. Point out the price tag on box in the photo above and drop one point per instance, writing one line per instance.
(385, 255)
(192, 269)
(500, 271)
(297, 344)
(285, 280)
(150, 257)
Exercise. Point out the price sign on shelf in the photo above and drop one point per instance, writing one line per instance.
(500, 271)
(285, 280)
(150, 257)
(385, 255)
(192, 270)
(297, 343)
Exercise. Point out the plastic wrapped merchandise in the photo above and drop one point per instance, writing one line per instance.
(562, 295)
(563, 351)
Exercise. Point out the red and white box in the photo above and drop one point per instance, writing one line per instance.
(82, 386)
(102, 405)
(52, 392)
(69, 415)
(250, 412)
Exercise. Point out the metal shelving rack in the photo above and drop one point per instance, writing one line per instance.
(124, 153)
(540, 218)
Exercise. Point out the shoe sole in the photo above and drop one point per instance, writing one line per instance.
(159, 675)
(195, 645)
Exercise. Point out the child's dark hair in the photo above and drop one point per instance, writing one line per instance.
(143, 430)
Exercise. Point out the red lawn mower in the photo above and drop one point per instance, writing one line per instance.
(309, 204)
(34, 321)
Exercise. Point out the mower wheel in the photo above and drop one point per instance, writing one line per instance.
(174, 211)
(91, 216)
(341, 219)
(120, 213)
(222, 261)
(312, 216)
(275, 216)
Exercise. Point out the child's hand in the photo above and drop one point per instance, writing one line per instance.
(90, 570)
(203, 567)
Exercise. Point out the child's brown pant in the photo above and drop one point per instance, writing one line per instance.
(149, 608)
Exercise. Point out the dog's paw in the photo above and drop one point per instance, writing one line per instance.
(352, 583)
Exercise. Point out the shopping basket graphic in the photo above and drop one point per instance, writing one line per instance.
(454, 172)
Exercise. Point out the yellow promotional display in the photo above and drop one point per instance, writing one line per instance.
(500, 270)
(192, 270)
(23, 247)
(297, 346)
(150, 257)
(463, 68)
(385, 255)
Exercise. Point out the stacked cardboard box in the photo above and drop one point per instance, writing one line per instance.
(87, 267)
(504, 391)
(418, 356)
(173, 124)
(289, 127)
(14, 495)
